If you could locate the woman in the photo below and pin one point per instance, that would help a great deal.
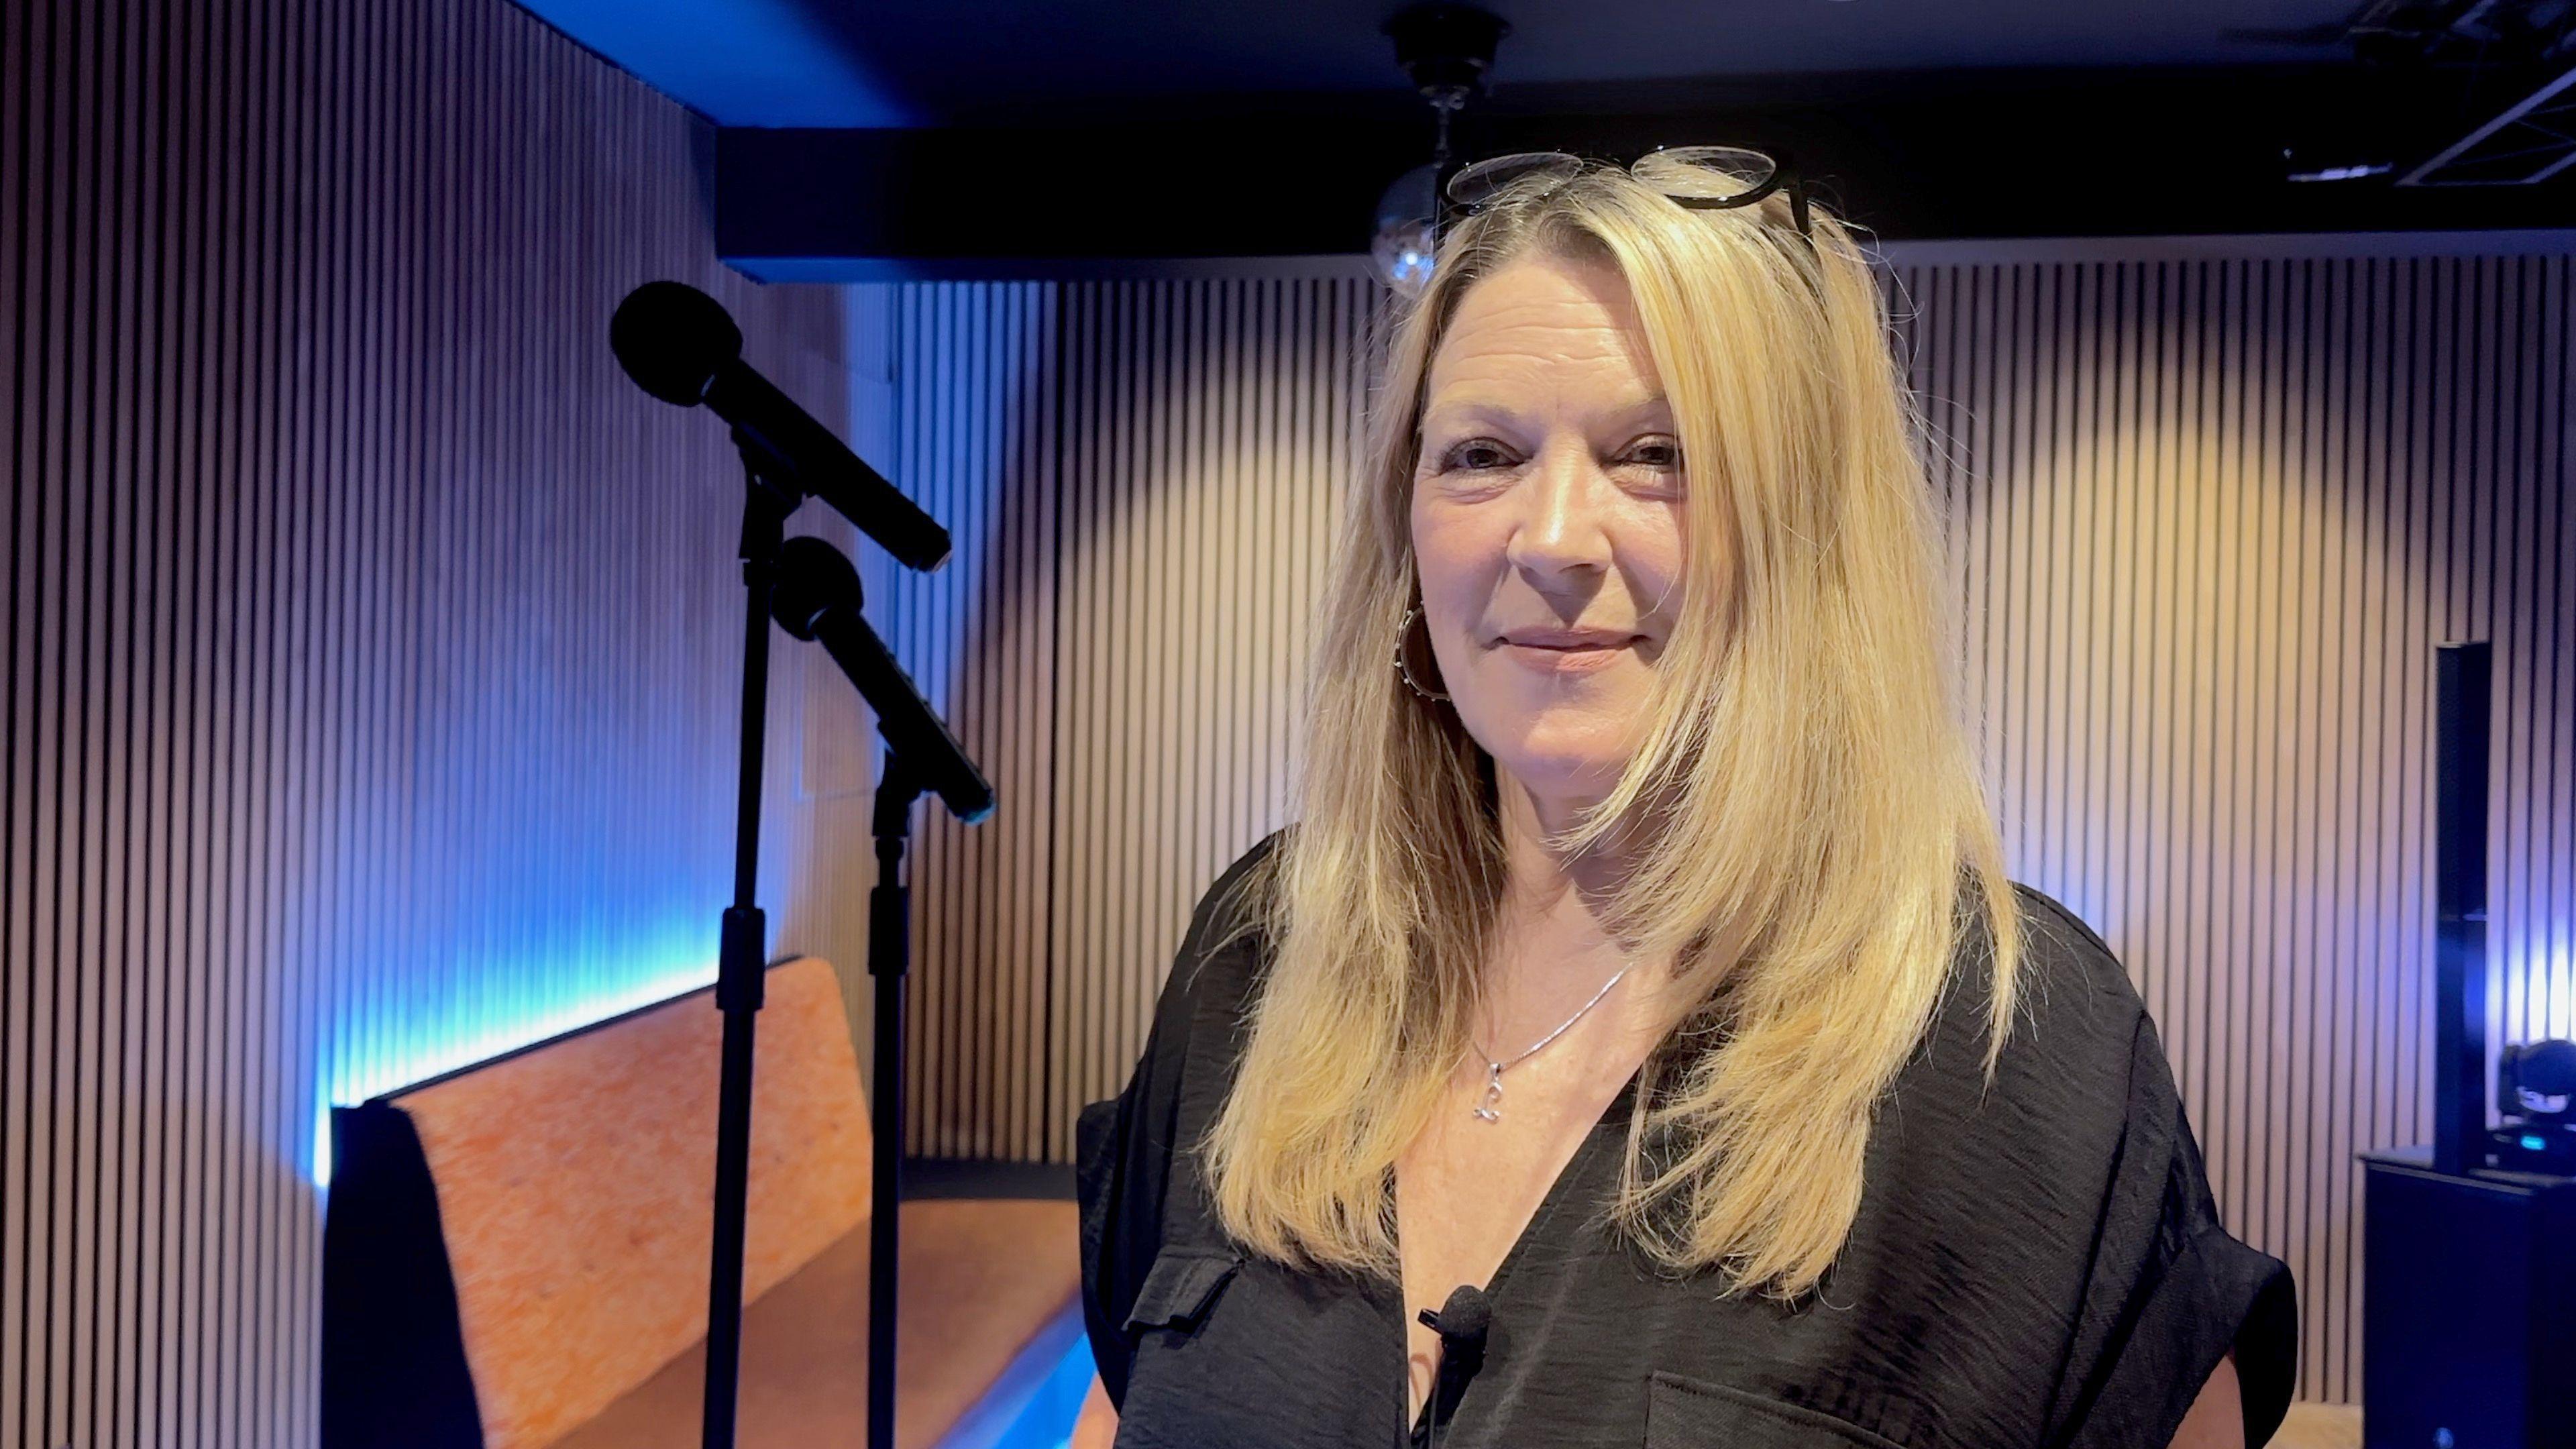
(1642, 959)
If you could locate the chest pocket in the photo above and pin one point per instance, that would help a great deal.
(1685, 1413)
(1182, 1385)
(1179, 1289)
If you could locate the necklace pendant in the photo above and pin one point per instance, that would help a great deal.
(1490, 1110)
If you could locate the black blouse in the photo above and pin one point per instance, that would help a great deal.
(2040, 1264)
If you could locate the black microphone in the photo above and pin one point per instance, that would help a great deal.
(817, 597)
(680, 345)
(1462, 1323)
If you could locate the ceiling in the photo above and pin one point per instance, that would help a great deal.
(917, 63)
(916, 138)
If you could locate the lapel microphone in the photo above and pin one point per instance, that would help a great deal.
(1461, 1323)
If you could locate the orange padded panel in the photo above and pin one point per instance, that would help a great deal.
(575, 1181)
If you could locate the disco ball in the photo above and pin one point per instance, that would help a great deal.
(1406, 243)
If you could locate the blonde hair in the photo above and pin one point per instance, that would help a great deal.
(1812, 844)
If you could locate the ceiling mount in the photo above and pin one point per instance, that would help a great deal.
(1448, 50)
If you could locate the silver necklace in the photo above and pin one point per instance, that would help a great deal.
(1491, 1110)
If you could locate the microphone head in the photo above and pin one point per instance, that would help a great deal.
(1467, 1314)
(813, 579)
(673, 339)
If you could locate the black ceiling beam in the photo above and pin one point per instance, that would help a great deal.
(2017, 154)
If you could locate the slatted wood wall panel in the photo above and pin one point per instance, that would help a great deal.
(2208, 517)
(368, 642)
(1141, 478)
(976, 434)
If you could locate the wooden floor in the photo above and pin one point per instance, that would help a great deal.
(2320, 1426)
(970, 1268)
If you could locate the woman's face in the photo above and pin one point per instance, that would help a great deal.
(1547, 521)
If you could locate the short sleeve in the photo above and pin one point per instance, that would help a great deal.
(1125, 1147)
(2171, 1291)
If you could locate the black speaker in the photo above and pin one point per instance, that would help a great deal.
(2460, 673)
(2469, 1318)
(2469, 1321)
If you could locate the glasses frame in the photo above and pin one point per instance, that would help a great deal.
(1784, 175)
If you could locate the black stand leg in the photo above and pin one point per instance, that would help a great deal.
(889, 960)
(739, 969)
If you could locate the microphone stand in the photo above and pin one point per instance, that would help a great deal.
(807, 587)
(678, 345)
(889, 964)
(741, 976)
(818, 598)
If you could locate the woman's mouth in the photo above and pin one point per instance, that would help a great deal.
(1567, 651)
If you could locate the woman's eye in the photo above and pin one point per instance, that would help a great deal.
(1473, 454)
(1479, 454)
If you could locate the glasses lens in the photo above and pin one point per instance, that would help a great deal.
(1482, 181)
(1713, 172)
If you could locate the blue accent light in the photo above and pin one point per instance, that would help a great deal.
(2534, 1142)
(1047, 1422)
(496, 1010)
(743, 63)
(1034, 1404)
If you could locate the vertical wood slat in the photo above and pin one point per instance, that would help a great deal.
(368, 643)
(2206, 516)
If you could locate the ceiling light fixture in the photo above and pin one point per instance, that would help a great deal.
(1448, 50)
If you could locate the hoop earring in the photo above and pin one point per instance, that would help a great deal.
(1403, 633)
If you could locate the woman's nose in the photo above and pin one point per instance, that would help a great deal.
(1561, 529)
